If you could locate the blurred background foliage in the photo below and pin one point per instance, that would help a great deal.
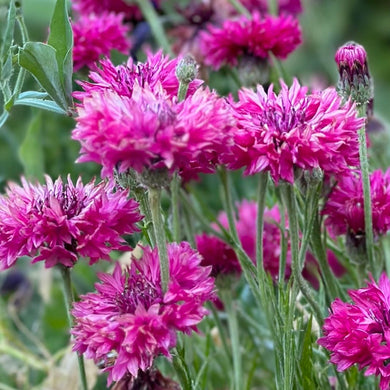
(326, 25)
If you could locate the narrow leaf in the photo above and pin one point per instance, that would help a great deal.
(48, 105)
(40, 60)
(61, 39)
(31, 150)
(9, 30)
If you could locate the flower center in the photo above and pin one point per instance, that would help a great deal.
(138, 291)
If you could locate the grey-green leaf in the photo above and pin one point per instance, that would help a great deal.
(31, 150)
(61, 39)
(40, 60)
(9, 31)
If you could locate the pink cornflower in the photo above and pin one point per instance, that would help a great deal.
(96, 35)
(359, 332)
(254, 37)
(157, 72)
(293, 130)
(344, 208)
(222, 257)
(292, 7)
(58, 222)
(86, 7)
(129, 320)
(140, 124)
(224, 260)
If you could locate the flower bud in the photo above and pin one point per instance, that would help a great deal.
(187, 69)
(355, 80)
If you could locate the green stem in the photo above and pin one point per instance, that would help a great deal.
(261, 194)
(273, 8)
(240, 8)
(69, 299)
(142, 199)
(153, 19)
(175, 188)
(332, 289)
(24, 356)
(366, 194)
(182, 91)
(231, 311)
(159, 232)
(295, 252)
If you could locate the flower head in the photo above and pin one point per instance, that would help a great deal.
(157, 72)
(359, 332)
(96, 35)
(355, 80)
(292, 130)
(129, 317)
(58, 222)
(344, 209)
(255, 37)
(86, 7)
(139, 124)
(292, 7)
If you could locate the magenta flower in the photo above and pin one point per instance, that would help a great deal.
(140, 125)
(87, 7)
(222, 257)
(359, 332)
(96, 35)
(255, 37)
(56, 223)
(350, 57)
(291, 130)
(344, 209)
(130, 318)
(157, 72)
(224, 260)
(292, 7)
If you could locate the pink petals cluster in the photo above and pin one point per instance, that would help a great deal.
(283, 132)
(359, 332)
(96, 35)
(344, 208)
(255, 36)
(131, 318)
(130, 118)
(58, 222)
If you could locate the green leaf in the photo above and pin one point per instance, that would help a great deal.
(40, 60)
(48, 105)
(306, 362)
(31, 150)
(9, 31)
(61, 39)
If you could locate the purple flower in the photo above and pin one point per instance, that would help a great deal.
(359, 332)
(344, 209)
(130, 118)
(130, 318)
(282, 132)
(96, 35)
(255, 36)
(58, 222)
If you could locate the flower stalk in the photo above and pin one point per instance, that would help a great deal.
(69, 299)
(159, 232)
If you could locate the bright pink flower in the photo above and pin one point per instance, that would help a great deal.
(359, 332)
(87, 7)
(255, 37)
(147, 128)
(156, 72)
(96, 35)
(57, 222)
(130, 318)
(344, 209)
(280, 133)
(224, 260)
(292, 7)
(351, 56)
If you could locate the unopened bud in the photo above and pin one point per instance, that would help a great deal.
(355, 80)
(187, 69)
